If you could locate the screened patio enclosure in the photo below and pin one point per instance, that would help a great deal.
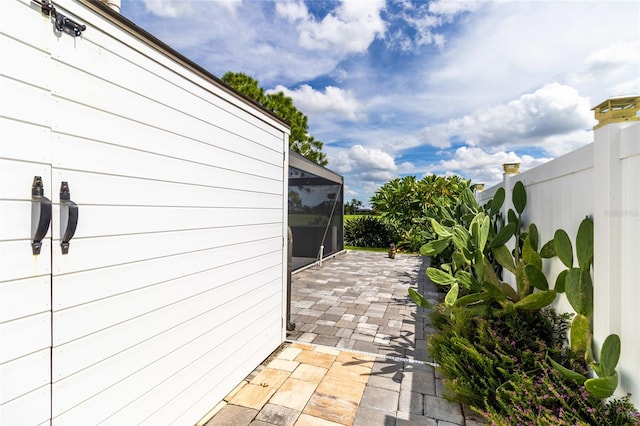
(315, 211)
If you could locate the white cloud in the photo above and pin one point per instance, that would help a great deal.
(182, 8)
(365, 169)
(406, 167)
(423, 27)
(362, 159)
(614, 56)
(508, 48)
(418, 23)
(556, 145)
(450, 8)
(542, 118)
(293, 11)
(333, 102)
(480, 166)
(610, 71)
(350, 28)
(168, 8)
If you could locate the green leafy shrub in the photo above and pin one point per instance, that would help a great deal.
(546, 398)
(409, 204)
(477, 354)
(368, 231)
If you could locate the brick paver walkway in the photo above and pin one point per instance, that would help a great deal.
(359, 301)
(357, 356)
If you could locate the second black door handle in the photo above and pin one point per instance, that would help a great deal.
(71, 216)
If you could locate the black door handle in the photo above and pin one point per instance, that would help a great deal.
(72, 217)
(44, 216)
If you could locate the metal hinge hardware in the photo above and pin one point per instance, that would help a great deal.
(61, 22)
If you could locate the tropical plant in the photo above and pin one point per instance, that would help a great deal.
(409, 204)
(476, 249)
(300, 141)
(368, 231)
(351, 207)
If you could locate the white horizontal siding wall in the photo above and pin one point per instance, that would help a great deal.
(25, 280)
(173, 288)
(187, 277)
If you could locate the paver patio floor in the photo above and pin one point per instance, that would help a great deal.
(357, 355)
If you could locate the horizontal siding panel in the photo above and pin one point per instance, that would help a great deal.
(161, 89)
(118, 127)
(126, 191)
(18, 262)
(27, 64)
(139, 51)
(91, 253)
(121, 64)
(79, 154)
(21, 298)
(16, 134)
(25, 151)
(26, 14)
(31, 409)
(27, 103)
(202, 310)
(24, 375)
(220, 379)
(73, 289)
(157, 377)
(187, 180)
(78, 321)
(133, 375)
(18, 178)
(18, 218)
(24, 336)
(110, 369)
(184, 390)
(15, 220)
(85, 89)
(99, 221)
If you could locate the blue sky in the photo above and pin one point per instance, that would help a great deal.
(400, 87)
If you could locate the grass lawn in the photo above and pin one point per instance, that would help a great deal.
(356, 216)
(382, 250)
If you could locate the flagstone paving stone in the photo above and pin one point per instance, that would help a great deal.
(294, 393)
(330, 408)
(233, 415)
(339, 387)
(316, 358)
(307, 420)
(252, 396)
(309, 373)
(270, 377)
(273, 414)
